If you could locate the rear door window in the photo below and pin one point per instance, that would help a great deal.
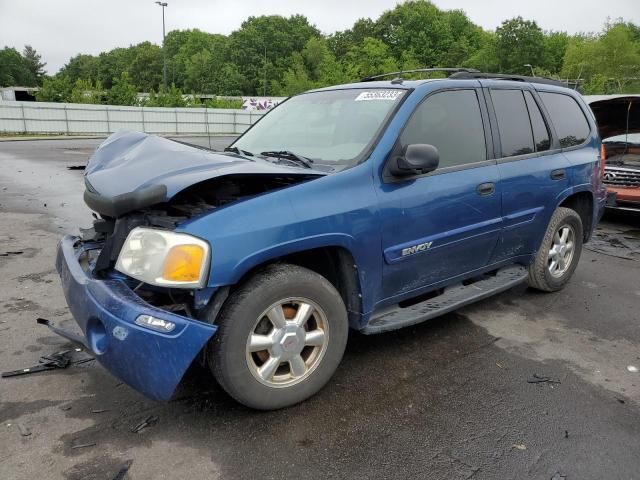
(451, 121)
(568, 119)
(514, 126)
(540, 130)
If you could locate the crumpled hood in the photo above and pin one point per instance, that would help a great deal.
(130, 170)
(129, 161)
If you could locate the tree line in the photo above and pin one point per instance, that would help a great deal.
(274, 55)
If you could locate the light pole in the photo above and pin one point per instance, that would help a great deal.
(164, 54)
(531, 67)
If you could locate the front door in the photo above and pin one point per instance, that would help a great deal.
(446, 223)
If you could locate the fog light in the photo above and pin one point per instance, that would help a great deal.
(154, 323)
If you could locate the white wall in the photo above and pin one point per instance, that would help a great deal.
(73, 119)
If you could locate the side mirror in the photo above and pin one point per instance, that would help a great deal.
(416, 159)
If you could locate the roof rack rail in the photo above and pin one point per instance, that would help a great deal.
(435, 69)
(505, 76)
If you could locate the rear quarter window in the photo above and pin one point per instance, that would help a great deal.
(567, 117)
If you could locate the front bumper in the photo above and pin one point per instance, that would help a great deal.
(623, 198)
(149, 361)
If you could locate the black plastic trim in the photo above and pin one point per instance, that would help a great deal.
(126, 202)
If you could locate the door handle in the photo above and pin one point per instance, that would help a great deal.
(486, 188)
(559, 174)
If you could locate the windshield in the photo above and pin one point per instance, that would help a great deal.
(329, 127)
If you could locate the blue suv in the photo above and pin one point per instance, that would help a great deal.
(369, 206)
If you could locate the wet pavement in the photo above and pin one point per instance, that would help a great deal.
(522, 385)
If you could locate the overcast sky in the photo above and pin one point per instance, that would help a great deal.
(59, 29)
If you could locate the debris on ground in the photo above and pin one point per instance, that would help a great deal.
(536, 378)
(99, 410)
(614, 243)
(632, 368)
(76, 167)
(66, 407)
(566, 434)
(83, 445)
(24, 430)
(123, 471)
(10, 254)
(84, 360)
(558, 476)
(47, 362)
(519, 446)
(150, 420)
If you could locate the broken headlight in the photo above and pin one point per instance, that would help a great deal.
(165, 258)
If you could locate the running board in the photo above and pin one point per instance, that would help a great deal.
(452, 298)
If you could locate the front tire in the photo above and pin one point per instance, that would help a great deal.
(280, 337)
(559, 253)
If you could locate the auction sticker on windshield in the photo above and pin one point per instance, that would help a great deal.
(378, 95)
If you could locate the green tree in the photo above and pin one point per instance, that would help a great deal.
(187, 60)
(605, 63)
(55, 89)
(295, 79)
(122, 91)
(617, 56)
(370, 58)
(341, 42)
(81, 67)
(145, 71)
(262, 47)
(34, 63)
(171, 98)
(435, 37)
(555, 47)
(519, 42)
(230, 81)
(486, 58)
(315, 66)
(14, 70)
(84, 91)
(113, 63)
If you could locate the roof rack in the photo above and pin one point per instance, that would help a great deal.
(505, 76)
(435, 69)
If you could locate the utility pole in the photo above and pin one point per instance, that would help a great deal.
(264, 86)
(164, 53)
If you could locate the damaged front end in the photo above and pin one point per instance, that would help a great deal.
(149, 332)
(618, 118)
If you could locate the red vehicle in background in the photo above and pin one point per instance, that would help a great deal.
(618, 119)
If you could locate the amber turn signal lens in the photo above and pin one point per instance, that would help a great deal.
(183, 263)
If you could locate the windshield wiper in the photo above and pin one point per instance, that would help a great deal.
(244, 153)
(289, 155)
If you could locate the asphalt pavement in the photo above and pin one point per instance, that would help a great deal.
(522, 385)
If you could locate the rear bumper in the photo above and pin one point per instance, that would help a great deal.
(149, 361)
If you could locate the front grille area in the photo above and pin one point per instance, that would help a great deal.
(621, 177)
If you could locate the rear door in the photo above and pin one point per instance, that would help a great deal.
(532, 168)
(445, 223)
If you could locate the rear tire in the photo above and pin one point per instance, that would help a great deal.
(280, 337)
(559, 253)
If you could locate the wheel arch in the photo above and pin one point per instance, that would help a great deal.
(582, 202)
(335, 262)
